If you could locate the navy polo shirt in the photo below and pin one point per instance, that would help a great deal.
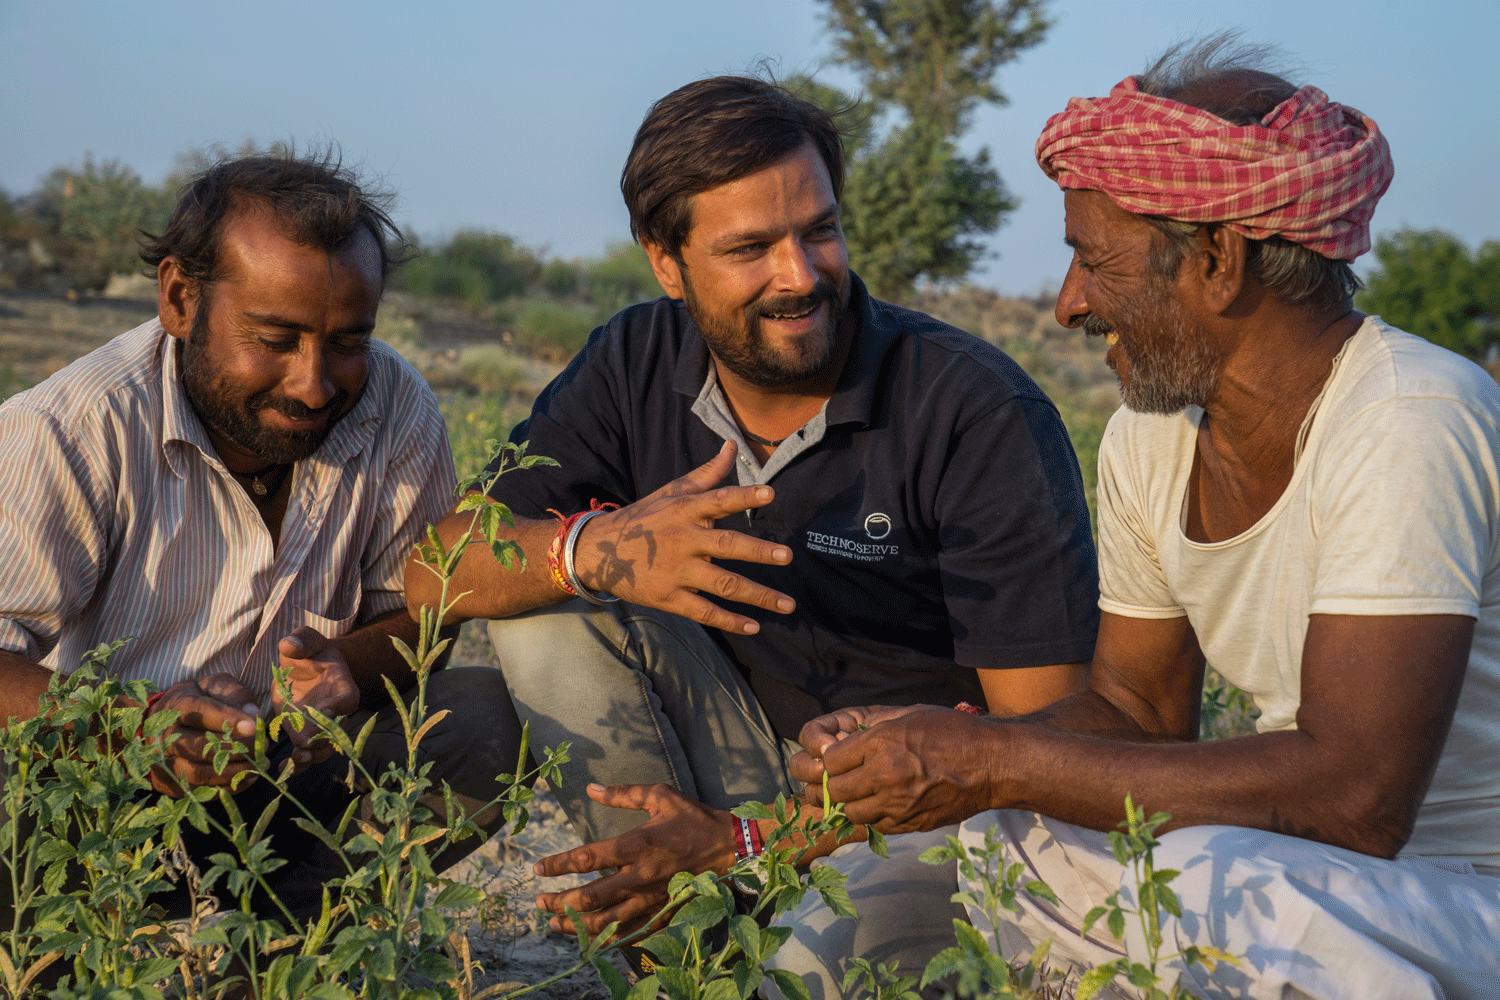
(939, 526)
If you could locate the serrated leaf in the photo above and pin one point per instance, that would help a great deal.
(970, 938)
(877, 842)
(1116, 924)
(942, 965)
(837, 899)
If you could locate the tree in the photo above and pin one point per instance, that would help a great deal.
(1428, 283)
(914, 205)
(93, 215)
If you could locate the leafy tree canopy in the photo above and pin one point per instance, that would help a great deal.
(1429, 283)
(915, 207)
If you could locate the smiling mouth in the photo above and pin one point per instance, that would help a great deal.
(792, 317)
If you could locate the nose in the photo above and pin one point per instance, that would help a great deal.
(796, 270)
(307, 379)
(1072, 306)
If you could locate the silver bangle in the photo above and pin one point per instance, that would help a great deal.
(569, 544)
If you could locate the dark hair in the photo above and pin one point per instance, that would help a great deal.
(1229, 78)
(712, 132)
(316, 197)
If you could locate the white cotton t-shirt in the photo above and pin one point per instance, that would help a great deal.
(1393, 509)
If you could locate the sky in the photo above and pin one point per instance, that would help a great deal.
(516, 115)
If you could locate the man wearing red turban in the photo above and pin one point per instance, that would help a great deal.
(1294, 492)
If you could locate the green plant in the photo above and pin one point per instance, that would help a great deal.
(1133, 847)
(475, 423)
(690, 963)
(86, 844)
(978, 971)
(83, 842)
(1224, 710)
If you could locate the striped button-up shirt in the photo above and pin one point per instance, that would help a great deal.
(117, 519)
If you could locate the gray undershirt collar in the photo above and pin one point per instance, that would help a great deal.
(713, 409)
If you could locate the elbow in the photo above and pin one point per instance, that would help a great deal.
(1375, 819)
(1383, 832)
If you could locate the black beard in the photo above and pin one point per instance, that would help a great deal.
(751, 360)
(223, 411)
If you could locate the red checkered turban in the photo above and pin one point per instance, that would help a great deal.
(1310, 172)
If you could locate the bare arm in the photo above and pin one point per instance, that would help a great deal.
(657, 552)
(21, 684)
(1378, 695)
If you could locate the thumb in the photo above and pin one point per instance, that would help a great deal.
(706, 476)
(305, 641)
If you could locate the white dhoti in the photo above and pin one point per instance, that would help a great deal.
(1304, 919)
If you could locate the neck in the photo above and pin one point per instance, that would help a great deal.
(1269, 381)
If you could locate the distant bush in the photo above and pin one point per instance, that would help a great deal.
(475, 267)
(493, 370)
(620, 278)
(552, 329)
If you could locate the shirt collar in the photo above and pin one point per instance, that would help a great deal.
(181, 426)
(853, 399)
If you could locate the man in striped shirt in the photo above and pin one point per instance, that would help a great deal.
(236, 485)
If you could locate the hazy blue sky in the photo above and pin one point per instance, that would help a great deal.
(517, 116)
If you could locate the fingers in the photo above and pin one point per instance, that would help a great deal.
(304, 643)
(202, 710)
(826, 730)
(641, 797)
(631, 911)
(227, 689)
(582, 860)
(712, 505)
(806, 768)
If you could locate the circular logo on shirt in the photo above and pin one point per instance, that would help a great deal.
(877, 526)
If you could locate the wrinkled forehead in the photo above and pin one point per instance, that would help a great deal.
(1094, 224)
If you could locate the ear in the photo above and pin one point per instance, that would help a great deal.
(668, 272)
(177, 298)
(1219, 267)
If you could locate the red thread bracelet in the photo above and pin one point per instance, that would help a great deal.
(555, 552)
(964, 706)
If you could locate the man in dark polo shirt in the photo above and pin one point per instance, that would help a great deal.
(863, 504)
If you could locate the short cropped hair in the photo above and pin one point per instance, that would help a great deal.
(709, 133)
(317, 198)
(1197, 75)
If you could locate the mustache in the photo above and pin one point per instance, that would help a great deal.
(1094, 326)
(795, 305)
(297, 410)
